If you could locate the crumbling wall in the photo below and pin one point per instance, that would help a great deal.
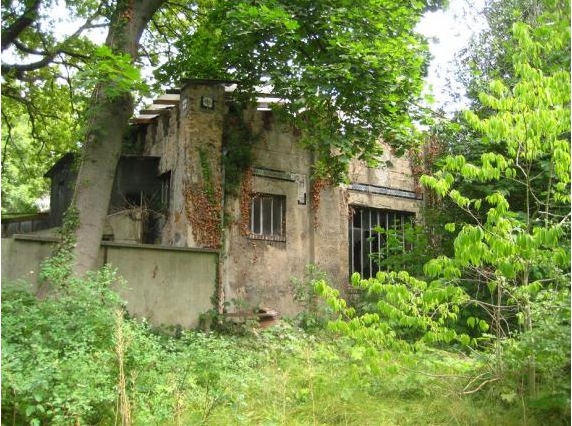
(189, 140)
(256, 270)
(259, 272)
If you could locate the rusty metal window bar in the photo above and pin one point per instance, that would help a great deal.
(368, 247)
(165, 180)
(268, 217)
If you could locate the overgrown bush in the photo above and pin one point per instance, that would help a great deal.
(57, 353)
(315, 312)
(74, 360)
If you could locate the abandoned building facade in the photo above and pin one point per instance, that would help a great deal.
(275, 221)
(199, 173)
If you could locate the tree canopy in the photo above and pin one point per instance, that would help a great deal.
(42, 101)
(350, 72)
(356, 68)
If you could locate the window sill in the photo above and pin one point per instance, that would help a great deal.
(274, 238)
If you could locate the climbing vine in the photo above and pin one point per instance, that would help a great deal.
(203, 212)
(58, 268)
(208, 185)
(422, 159)
(318, 185)
(238, 141)
(245, 202)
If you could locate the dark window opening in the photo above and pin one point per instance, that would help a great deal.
(268, 217)
(134, 199)
(367, 246)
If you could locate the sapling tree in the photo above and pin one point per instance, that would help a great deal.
(520, 253)
(523, 251)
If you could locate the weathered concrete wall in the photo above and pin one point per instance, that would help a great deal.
(331, 235)
(164, 284)
(258, 271)
(392, 172)
(189, 140)
(21, 259)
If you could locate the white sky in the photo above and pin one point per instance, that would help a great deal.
(448, 32)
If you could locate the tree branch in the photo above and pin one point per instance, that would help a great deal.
(10, 34)
(48, 58)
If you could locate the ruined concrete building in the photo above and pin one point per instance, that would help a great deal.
(198, 173)
(274, 224)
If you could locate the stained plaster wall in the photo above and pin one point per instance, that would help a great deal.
(255, 271)
(166, 285)
(259, 272)
(179, 136)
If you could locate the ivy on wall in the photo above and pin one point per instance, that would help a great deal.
(245, 202)
(318, 185)
(202, 208)
(238, 141)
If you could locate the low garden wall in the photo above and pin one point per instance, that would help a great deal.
(166, 285)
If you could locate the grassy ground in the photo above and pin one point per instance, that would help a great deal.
(284, 377)
(76, 360)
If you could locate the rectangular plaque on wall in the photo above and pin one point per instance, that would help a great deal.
(383, 190)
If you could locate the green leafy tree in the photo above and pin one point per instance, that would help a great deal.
(489, 54)
(349, 72)
(22, 169)
(520, 255)
(523, 252)
(38, 88)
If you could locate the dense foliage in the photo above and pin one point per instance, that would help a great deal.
(42, 102)
(511, 246)
(76, 359)
(347, 71)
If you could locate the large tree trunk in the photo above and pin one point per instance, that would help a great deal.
(108, 121)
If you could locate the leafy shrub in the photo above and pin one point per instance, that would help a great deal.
(57, 353)
(315, 313)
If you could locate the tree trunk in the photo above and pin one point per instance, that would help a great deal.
(108, 122)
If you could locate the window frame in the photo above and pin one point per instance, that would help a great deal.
(272, 207)
(365, 232)
(166, 190)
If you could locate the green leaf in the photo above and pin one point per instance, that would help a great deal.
(471, 322)
(483, 325)
(507, 269)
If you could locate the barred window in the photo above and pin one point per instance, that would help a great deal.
(165, 180)
(268, 217)
(367, 247)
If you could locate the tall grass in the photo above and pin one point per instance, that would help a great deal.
(72, 359)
